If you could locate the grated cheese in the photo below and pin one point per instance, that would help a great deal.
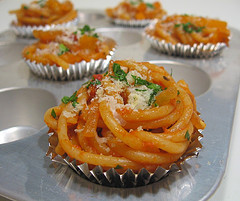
(68, 114)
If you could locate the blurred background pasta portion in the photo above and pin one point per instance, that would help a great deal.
(207, 8)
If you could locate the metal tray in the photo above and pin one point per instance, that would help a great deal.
(25, 172)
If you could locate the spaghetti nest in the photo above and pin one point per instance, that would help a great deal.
(44, 12)
(62, 47)
(134, 116)
(187, 29)
(136, 10)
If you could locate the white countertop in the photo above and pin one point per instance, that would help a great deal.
(227, 10)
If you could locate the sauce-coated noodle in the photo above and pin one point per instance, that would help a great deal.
(134, 116)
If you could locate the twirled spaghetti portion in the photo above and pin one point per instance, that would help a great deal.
(136, 10)
(44, 12)
(134, 116)
(188, 29)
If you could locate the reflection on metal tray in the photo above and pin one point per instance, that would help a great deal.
(19, 109)
(26, 174)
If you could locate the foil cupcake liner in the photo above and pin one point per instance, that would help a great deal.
(27, 31)
(131, 23)
(195, 51)
(74, 72)
(128, 179)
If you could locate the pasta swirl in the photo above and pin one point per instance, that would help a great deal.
(135, 116)
(190, 30)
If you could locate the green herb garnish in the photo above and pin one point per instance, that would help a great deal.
(189, 27)
(149, 5)
(136, 2)
(118, 167)
(93, 82)
(95, 35)
(119, 74)
(41, 3)
(155, 87)
(63, 49)
(177, 25)
(178, 92)
(88, 30)
(73, 99)
(25, 7)
(105, 73)
(187, 135)
(53, 113)
(85, 29)
(140, 89)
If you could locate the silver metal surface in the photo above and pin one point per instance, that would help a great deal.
(22, 111)
(123, 37)
(130, 23)
(74, 72)
(27, 31)
(128, 178)
(26, 174)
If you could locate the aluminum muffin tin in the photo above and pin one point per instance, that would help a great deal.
(27, 174)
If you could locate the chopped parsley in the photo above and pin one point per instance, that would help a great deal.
(25, 7)
(95, 35)
(187, 135)
(88, 30)
(155, 87)
(118, 167)
(63, 49)
(41, 3)
(73, 99)
(140, 89)
(105, 73)
(136, 2)
(189, 27)
(93, 82)
(149, 5)
(27, 53)
(53, 113)
(178, 92)
(119, 74)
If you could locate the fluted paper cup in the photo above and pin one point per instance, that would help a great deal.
(195, 51)
(27, 31)
(131, 23)
(74, 72)
(129, 178)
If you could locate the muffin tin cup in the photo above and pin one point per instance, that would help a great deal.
(27, 31)
(74, 72)
(131, 23)
(129, 178)
(195, 51)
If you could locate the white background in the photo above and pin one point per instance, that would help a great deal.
(227, 10)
